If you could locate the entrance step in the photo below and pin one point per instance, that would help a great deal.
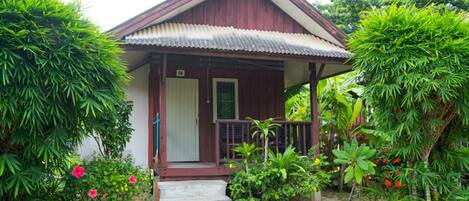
(193, 190)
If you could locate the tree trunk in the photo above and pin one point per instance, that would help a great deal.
(341, 178)
(350, 197)
(428, 195)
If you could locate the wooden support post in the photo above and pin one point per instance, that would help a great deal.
(314, 78)
(162, 110)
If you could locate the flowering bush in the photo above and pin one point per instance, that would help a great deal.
(107, 179)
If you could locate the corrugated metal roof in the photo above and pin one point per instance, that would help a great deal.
(181, 35)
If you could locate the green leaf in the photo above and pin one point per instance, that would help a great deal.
(358, 175)
(362, 164)
(349, 175)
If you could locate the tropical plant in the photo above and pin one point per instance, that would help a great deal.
(107, 179)
(57, 71)
(285, 176)
(415, 64)
(357, 159)
(248, 152)
(265, 130)
(112, 132)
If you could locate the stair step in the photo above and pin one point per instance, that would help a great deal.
(217, 198)
(208, 190)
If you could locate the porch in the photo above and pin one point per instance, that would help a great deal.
(191, 139)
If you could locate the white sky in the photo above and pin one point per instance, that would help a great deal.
(109, 13)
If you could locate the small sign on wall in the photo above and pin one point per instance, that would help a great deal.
(180, 73)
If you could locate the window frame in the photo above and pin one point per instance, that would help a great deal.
(215, 94)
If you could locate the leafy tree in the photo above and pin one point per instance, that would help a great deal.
(57, 71)
(112, 132)
(346, 13)
(265, 130)
(415, 64)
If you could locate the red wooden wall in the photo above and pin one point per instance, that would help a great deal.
(260, 94)
(245, 14)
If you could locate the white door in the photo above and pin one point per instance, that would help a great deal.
(182, 111)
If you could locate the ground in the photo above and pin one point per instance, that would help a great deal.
(339, 196)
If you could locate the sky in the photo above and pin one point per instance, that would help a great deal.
(109, 13)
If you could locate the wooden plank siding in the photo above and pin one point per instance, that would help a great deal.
(260, 88)
(244, 14)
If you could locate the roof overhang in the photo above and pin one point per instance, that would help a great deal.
(300, 10)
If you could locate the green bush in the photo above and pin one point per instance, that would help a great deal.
(415, 66)
(285, 176)
(111, 178)
(57, 71)
(112, 132)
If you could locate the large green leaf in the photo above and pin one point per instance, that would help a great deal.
(358, 175)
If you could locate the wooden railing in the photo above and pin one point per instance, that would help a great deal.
(230, 133)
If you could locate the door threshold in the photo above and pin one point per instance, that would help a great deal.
(191, 165)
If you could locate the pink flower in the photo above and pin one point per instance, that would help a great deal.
(132, 179)
(92, 193)
(78, 171)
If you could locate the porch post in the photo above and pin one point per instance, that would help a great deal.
(314, 78)
(162, 109)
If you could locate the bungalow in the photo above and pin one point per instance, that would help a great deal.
(200, 67)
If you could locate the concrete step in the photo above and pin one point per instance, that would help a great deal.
(218, 198)
(193, 190)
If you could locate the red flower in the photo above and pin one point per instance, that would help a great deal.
(377, 161)
(387, 183)
(78, 171)
(398, 184)
(385, 161)
(397, 160)
(92, 193)
(132, 179)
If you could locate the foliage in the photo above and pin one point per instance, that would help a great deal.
(265, 129)
(346, 13)
(415, 64)
(111, 178)
(357, 159)
(285, 176)
(112, 132)
(57, 71)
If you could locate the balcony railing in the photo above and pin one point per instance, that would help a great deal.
(230, 133)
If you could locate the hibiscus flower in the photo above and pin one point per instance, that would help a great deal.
(92, 193)
(78, 171)
(132, 179)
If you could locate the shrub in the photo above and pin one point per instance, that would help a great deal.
(415, 64)
(285, 176)
(112, 132)
(107, 179)
(57, 71)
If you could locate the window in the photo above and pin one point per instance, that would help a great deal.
(225, 98)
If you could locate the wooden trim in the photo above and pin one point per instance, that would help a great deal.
(217, 144)
(146, 18)
(314, 14)
(195, 172)
(214, 96)
(235, 54)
